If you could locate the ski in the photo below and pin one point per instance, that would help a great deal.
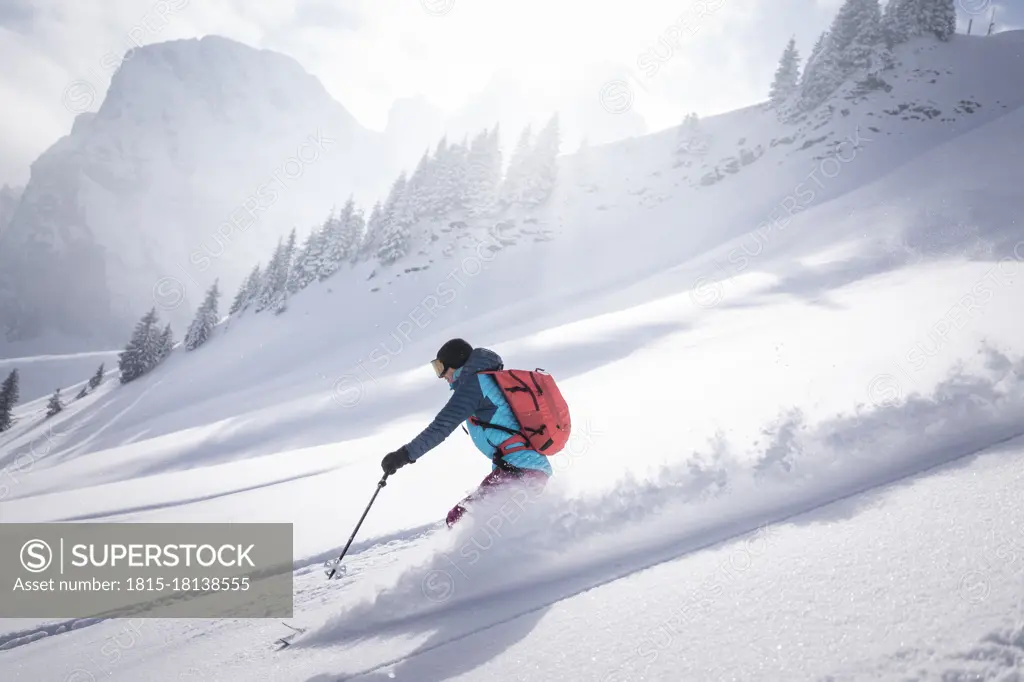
(286, 641)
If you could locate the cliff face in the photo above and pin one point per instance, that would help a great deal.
(203, 153)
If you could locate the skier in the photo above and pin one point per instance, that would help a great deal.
(512, 417)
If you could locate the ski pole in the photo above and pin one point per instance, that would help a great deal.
(334, 569)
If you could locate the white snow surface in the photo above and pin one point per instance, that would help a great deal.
(798, 452)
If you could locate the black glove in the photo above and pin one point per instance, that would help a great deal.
(393, 461)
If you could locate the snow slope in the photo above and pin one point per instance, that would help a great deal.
(675, 497)
(829, 490)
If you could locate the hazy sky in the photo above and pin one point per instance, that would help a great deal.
(59, 54)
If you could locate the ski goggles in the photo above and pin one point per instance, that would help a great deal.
(439, 368)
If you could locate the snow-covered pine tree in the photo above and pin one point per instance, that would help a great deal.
(355, 230)
(153, 350)
(269, 279)
(247, 291)
(275, 277)
(9, 395)
(902, 21)
(348, 223)
(280, 290)
(787, 75)
(937, 18)
(205, 320)
(55, 406)
(84, 392)
(452, 191)
(916, 13)
(822, 75)
(495, 165)
(288, 261)
(330, 236)
(395, 223)
(852, 38)
(164, 344)
(845, 25)
(474, 173)
(240, 298)
(343, 233)
(861, 30)
(307, 267)
(139, 355)
(281, 304)
(819, 46)
(293, 285)
(255, 285)
(893, 29)
(401, 211)
(420, 184)
(482, 180)
(10, 390)
(97, 378)
(373, 235)
(544, 163)
(514, 186)
(436, 181)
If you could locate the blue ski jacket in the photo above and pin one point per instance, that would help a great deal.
(477, 395)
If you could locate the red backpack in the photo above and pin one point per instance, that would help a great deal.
(538, 406)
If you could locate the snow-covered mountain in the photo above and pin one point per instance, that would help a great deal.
(203, 153)
(791, 342)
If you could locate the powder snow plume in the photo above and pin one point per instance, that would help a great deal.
(520, 551)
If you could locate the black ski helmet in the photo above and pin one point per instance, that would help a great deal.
(453, 354)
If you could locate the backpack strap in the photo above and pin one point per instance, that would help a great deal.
(503, 448)
(501, 463)
(515, 438)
